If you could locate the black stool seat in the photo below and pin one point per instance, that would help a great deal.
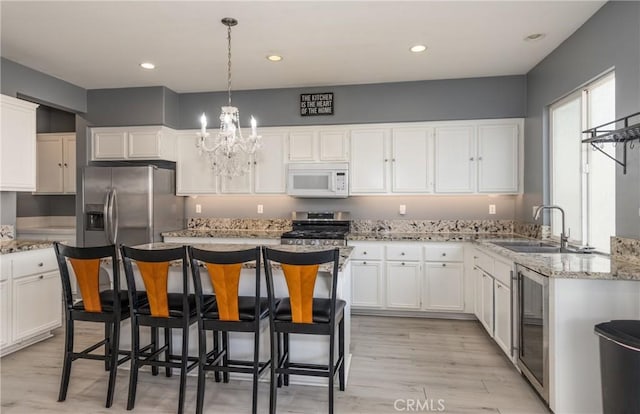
(321, 310)
(246, 309)
(174, 301)
(106, 299)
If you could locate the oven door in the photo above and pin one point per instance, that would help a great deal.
(533, 329)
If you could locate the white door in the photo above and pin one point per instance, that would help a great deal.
(144, 144)
(193, 171)
(366, 284)
(403, 285)
(369, 161)
(5, 313)
(28, 318)
(502, 307)
(240, 184)
(487, 303)
(301, 146)
(477, 284)
(69, 163)
(498, 158)
(455, 160)
(18, 145)
(443, 289)
(269, 165)
(410, 160)
(109, 145)
(50, 165)
(333, 145)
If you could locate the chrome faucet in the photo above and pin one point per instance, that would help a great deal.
(564, 237)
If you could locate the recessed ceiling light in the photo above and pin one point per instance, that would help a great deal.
(418, 48)
(274, 58)
(147, 65)
(533, 37)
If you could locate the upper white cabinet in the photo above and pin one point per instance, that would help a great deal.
(56, 167)
(369, 161)
(269, 163)
(318, 144)
(193, 171)
(482, 157)
(17, 145)
(133, 143)
(411, 160)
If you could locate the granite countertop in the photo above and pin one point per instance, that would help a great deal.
(345, 251)
(437, 237)
(569, 265)
(14, 246)
(258, 234)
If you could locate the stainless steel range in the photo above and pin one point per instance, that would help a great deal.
(318, 229)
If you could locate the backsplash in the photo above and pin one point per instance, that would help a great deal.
(532, 230)
(432, 226)
(212, 223)
(7, 232)
(625, 249)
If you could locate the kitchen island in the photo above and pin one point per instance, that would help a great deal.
(307, 348)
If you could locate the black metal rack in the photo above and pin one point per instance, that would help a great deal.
(610, 133)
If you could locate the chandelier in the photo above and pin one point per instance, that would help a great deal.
(229, 152)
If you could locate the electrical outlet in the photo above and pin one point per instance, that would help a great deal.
(403, 209)
(260, 209)
(198, 208)
(492, 209)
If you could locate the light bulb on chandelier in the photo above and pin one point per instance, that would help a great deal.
(229, 152)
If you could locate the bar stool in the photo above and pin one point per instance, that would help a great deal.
(302, 313)
(229, 313)
(162, 309)
(108, 307)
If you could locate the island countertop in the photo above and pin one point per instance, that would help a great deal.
(22, 245)
(230, 234)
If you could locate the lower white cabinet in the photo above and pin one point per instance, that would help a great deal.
(403, 285)
(444, 287)
(367, 284)
(486, 315)
(30, 298)
(502, 315)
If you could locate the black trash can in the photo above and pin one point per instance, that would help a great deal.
(620, 365)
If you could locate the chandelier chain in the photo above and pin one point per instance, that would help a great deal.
(229, 63)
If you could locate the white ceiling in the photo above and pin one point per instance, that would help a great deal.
(100, 44)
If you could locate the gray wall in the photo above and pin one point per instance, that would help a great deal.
(610, 39)
(477, 98)
(126, 106)
(54, 120)
(16, 79)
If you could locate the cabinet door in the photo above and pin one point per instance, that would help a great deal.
(37, 304)
(410, 161)
(144, 144)
(193, 171)
(369, 161)
(5, 313)
(455, 162)
(333, 146)
(301, 146)
(403, 285)
(17, 145)
(69, 164)
(366, 284)
(444, 287)
(269, 164)
(109, 145)
(50, 165)
(240, 184)
(487, 303)
(502, 308)
(477, 295)
(498, 158)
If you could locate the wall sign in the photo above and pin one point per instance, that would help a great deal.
(312, 104)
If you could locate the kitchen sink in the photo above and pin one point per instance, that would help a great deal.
(526, 246)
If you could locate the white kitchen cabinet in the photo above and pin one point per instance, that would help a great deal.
(455, 165)
(56, 167)
(318, 144)
(444, 287)
(477, 294)
(193, 171)
(31, 295)
(369, 161)
(502, 316)
(367, 284)
(404, 282)
(133, 143)
(241, 184)
(269, 167)
(478, 158)
(486, 287)
(411, 160)
(17, 144)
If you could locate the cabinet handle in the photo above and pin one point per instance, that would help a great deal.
(444, 254)
(59, 165)
(364, 263)
(402, 254)
(41, 277)
(444, 265)
(364, 252)
(471, 159)
(65, 164)
(386, 160)
(393, 160)
(40, 264)
(479, 158)
(255, 163)
(402, 263)
(475, 257)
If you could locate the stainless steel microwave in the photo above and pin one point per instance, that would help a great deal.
(318, 180)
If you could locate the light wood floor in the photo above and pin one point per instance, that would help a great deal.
(447, 364)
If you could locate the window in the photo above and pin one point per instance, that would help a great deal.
(582, 179)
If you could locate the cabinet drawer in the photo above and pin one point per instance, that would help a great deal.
(34, 261)
(483, 261)
(368, 252)
(403, 252)
(444, 253)
(502, 272)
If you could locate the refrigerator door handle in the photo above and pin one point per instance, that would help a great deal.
(107, 221)
(114, 215)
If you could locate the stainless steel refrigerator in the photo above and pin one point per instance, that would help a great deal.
(129, 204)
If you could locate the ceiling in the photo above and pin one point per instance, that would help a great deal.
(100, 44)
